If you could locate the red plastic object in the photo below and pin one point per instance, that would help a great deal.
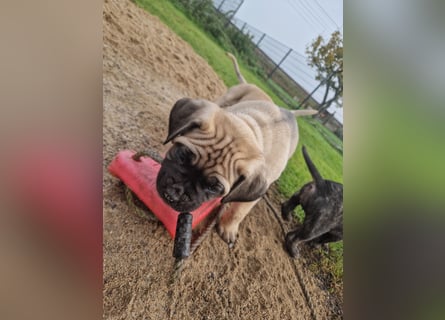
(140, 177)
(56, 186)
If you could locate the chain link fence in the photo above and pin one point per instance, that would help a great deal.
(284, 66)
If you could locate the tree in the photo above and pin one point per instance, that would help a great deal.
(328, 60)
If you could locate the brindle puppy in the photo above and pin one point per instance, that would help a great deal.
(322, 202)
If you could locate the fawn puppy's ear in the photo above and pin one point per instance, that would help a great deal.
(188, 114)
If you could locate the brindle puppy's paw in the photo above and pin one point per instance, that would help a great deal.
(312, 244)
(286, 211)
(228, 232)
(290, 244)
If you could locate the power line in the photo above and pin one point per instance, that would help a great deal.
(314, 15)
(322, 15)
(316, 2)
(306, 11)
(300, 14)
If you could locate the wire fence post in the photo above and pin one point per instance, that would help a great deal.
(237, 8)
(233, 14)
(242, 28)
(316, 88)
(220, 5)
(279, 63)
(261, 39)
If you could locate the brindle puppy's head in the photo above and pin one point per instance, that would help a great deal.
(210, 157)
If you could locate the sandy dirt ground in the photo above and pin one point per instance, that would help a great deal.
(146, 68)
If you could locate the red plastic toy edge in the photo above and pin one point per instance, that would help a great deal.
(140, 177)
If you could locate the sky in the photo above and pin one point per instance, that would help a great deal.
(295, 23)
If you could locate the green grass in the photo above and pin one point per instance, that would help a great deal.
(328, 134)
(281, 91)
(203, 44)
(327, 159)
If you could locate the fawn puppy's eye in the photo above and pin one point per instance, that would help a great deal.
(214, 186)
(182, 154)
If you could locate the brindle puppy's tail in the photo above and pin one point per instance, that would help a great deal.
(235, 64)
(318, 179)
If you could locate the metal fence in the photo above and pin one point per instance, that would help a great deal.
(292, 62)
(286, 62)
(227, 6)
(286, 67)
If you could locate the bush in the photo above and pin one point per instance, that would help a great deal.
(217, 25)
